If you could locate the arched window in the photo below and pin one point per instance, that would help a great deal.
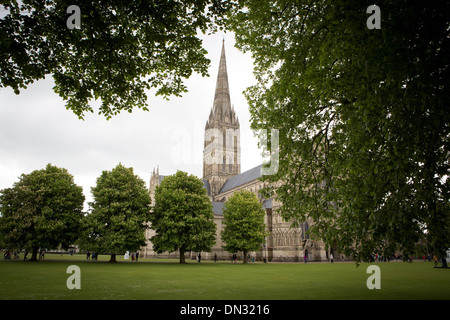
(305, 234)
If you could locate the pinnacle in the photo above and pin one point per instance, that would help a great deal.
(222, 102)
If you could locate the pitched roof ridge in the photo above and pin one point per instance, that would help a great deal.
(241, 178)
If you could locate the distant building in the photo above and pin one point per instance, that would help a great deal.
(222, 177)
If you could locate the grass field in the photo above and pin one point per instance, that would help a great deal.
(168, 280)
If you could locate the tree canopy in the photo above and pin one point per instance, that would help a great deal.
(362, 113)
(121, 49)
(182, 216)
(244, 227)
(42, 210)
(120, 212)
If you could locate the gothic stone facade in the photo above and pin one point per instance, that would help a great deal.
(222, 177)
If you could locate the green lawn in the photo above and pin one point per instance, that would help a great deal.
(218, 281)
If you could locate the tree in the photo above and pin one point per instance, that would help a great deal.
(120, 212)
(182, 216)
(362, 115)
(42, 210)
(244, 227)
(119, 50)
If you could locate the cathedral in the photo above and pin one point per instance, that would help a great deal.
(222, 177)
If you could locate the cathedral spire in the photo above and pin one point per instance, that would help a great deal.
(222, 150)
(222, 103)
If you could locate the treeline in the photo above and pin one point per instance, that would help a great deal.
(44, 209)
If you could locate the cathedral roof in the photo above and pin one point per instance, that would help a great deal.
(218, 207)
(242, 178)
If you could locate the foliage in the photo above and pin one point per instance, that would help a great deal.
(182, 216)
(120, 213)
(362, 113)
(243, 219)
(42, 210)
(121, 50)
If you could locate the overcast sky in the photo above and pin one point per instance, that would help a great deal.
(36, 129)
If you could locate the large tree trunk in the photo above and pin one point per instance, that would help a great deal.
(34, 254)
(182, 258)
(113, 258)
(245, 256)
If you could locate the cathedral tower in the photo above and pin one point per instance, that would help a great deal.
(222, 149)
